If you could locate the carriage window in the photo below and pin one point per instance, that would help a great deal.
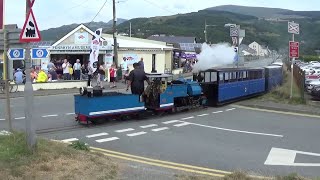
(240, 75)
(207, 77)
(221, 78)
(245, 74)
(213, 76)
(226, 77)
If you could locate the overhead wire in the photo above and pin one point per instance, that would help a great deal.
(98, 12)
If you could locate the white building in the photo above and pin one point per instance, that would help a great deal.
(260, 50)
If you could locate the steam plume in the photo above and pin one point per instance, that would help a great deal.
(218, 55)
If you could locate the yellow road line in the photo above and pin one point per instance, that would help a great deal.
(163, 165)
(275, 111)
(160, 161)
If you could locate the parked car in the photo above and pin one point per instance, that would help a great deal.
(315, 91)
(312, 84)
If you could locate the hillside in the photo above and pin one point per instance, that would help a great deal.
(54, 34)
(268, 33)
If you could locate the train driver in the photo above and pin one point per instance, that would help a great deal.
(136, 80)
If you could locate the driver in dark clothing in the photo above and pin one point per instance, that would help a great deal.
(136, 80)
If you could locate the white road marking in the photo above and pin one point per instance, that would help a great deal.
(170, 122)
(50, 115)
(234, 130)
(286, 157)
(2, 119)
(136, 134)
(124, 130)
(188, 118)
(159, 129)
(216, 112)
(182, 124)
(70, 113)
(149, 126)
(97, 135)
(230, 109)
(20, 118)
(107, 139)
(203, 115)
(70, 140)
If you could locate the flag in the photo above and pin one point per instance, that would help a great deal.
(94, 50)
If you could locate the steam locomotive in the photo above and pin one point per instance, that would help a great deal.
(212, 87)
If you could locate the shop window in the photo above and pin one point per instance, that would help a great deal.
(154, 63)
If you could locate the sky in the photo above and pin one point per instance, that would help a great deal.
(55, 13)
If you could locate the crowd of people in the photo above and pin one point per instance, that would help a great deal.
(78, 71)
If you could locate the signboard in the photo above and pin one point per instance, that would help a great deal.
(16, 54)
(131, 58)
(293, 28)
(39, 53)
(234, 31)
(81, 38)
(293, 49)
(30, 31)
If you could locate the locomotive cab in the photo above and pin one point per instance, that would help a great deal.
(158, 85)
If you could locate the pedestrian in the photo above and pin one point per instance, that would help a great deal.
(112, 73)
(77, 70)
(18, 76)
(136, 80)
(141, 64)
(65, 67)
(101, 74)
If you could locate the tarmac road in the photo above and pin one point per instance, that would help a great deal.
(226, 138)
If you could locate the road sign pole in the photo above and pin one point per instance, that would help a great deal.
(28, 95)
(291, 91)
(5, 67)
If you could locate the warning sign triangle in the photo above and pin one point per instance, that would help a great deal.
(30, 31)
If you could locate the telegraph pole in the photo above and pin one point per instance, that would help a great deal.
(28, 95)
(115, 44)
(6, 75)
(205, 31)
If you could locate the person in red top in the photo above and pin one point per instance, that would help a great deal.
(112, 72)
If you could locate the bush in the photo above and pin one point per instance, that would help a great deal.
(80, 146)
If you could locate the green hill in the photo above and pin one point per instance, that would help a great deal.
(269, 33)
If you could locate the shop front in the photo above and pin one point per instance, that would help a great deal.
(76, 45)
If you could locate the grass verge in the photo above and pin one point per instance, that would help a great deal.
(51, 160)
(281, 94)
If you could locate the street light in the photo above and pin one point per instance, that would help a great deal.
(205, 30)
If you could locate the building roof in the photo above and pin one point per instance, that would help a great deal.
(41, 44)
(125, 42)
(173, 39)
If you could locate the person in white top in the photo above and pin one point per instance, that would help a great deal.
(65, 67)
(124, 65)
(77, 70)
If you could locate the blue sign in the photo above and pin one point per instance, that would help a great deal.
(39, 53)
(16, 54)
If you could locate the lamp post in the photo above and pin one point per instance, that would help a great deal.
(205, 30)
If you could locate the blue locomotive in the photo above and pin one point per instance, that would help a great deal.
(212, 87)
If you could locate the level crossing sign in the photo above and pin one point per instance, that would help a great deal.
(293, 28)
(30, 31)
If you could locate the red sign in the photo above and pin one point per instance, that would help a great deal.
(30, 31)
(293, 49)
(1, 14)
(31, 2)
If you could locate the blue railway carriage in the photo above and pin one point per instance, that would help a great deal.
(273, 76)
(225, 85)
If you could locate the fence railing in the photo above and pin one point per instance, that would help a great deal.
(298, 76)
